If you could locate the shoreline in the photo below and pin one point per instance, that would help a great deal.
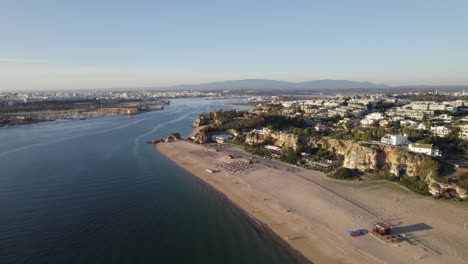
(260, 227)
(94, 116)
(308, 213)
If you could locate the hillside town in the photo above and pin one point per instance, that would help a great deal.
(15, 98)
(417, 140)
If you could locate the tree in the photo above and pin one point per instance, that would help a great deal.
(289, 155)
(342, 173)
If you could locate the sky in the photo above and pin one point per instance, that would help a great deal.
(71, 44)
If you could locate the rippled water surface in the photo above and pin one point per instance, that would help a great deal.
(92, 191)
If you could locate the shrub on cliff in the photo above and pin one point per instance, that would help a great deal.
(239, 140)
(428, 168)
(289, 155)
(415, 184)
(463, 182)
(342, 174)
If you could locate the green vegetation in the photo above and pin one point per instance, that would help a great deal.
(290, 156)
(301, 131)
(342, 174)
(258, 149)
(432, 97)
(239, 140)
(383, 106)
(463, 182)
(415, 184)
(425, 166)
(343, 135)
(429, 167)
(368, 133)
(242, 120)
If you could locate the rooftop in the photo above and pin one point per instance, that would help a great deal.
(420, 145)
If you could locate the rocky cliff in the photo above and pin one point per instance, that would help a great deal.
(356, 156)
(438, 189)
(362, 157)
(279, 139)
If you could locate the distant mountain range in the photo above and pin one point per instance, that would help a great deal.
(263, 84)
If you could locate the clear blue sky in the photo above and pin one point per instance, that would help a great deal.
(111, 43)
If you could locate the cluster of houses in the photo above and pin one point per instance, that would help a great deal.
(355, 110)
(418, 110)
(434, 117)
(402, 141)
(325, 107)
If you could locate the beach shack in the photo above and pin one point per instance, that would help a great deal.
(221, 139)
(382, 228)
(275, 151)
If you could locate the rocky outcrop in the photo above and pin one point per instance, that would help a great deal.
(287, 140)
(397, 161)
(255, 138)
(363, 157)
(355, 156)
(200, 121)
(172, 137)
(284, 140)
(411, 164)
(205, 118)
(451, 190)
(202, 137)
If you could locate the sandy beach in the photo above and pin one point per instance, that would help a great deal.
(313, 213)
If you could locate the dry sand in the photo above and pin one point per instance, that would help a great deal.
(313, 212)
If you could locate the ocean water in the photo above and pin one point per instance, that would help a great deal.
(92, 191)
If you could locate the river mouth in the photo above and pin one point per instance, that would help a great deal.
(93, 191)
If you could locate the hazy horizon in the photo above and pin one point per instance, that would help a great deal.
(117, 44)
(181, 86)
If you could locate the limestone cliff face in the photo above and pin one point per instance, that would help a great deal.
(356, 156)
(200, 121)
(172, 137)
(286, 140)
(402, 162)
(205, 119)
(279, 139)
(254, 138)
(438, 189)
(363, 157)
(202, 137)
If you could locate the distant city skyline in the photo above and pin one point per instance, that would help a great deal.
(133, 44)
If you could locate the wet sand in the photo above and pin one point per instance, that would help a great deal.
(313, 213)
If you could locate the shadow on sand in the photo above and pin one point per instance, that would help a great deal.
(410, 228)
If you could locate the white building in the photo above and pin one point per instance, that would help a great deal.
(223, 138)
(395, 140)
(375, 116)
(289, 104)
(464, 132)
(440, 131)
(367, 122)
(320, 127)
(371, 119)
(408, 123)
(272, 148)
(427, 149)
(263, 131)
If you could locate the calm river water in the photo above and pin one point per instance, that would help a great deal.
(92, 191)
